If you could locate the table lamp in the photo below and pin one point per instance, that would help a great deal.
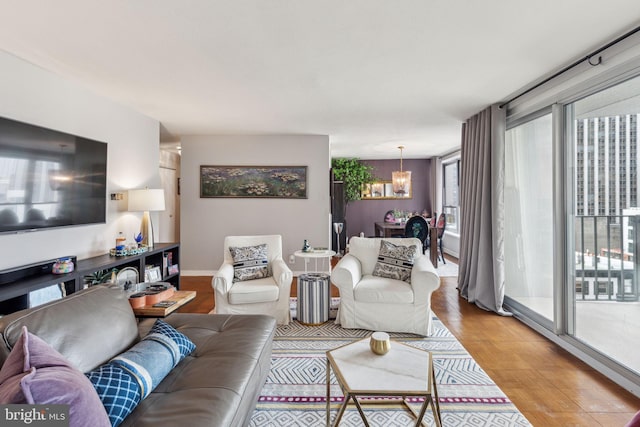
(145, 201)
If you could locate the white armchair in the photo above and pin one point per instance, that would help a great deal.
(268, 295)
(383, 304)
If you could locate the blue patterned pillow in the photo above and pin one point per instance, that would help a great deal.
(395, 261)
(118, 390)
(249, 262)
(128, 378)
(176, 342)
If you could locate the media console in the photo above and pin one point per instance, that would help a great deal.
(22, 280)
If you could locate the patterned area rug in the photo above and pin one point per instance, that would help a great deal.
(295, 390)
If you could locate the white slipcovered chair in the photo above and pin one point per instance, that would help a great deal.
(268, 295)
(376, 303)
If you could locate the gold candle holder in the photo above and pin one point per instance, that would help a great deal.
(380, 343)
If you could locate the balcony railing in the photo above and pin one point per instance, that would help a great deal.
(606, 266)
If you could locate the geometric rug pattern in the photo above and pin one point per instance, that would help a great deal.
(295, 389)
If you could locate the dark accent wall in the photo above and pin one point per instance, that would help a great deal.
(362, 214)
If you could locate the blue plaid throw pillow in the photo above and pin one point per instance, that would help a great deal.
(118, 390)
(130, 377)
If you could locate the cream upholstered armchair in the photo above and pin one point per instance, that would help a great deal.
(253, 278)
(385, 285)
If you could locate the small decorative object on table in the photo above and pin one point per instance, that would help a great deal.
(128, 251)
(62, 266)
(138, 238)
(306, 247)
(380, 343)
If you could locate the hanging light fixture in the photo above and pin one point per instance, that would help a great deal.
(401, 179)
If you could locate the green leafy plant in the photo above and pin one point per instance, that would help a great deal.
(354, 174)
(100, 276)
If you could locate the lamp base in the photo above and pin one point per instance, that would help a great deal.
(146, 228)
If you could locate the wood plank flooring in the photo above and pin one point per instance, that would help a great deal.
(547, 384)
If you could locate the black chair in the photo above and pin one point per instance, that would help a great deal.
(417, 227)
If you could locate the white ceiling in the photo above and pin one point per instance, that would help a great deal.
(371, 74)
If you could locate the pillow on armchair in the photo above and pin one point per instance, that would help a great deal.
(250, 262)
(395, 261)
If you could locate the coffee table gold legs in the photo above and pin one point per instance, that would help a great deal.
(431, 398)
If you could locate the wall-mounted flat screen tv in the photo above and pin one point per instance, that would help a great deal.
(49, 178)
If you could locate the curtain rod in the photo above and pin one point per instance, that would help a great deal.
(576, 63)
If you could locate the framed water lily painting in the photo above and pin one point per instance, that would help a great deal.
(282, 182)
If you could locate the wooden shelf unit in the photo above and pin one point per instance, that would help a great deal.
(14, 296)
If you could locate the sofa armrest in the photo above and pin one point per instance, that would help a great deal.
(282, 274)
(424, 278)
(347, 274)
(223, 279)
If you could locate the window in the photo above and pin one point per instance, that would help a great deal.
(450, 171)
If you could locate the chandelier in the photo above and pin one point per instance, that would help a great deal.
(401, 179)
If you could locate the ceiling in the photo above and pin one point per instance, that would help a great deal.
(371, 74)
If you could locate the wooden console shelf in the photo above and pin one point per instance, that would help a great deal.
(14, 296)
(180, 298)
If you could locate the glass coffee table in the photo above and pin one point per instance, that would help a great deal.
(403, 372)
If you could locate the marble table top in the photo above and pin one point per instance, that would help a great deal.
(403, 370)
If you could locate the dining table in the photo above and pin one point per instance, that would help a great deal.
(389, 229)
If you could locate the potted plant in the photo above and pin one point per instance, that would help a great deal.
(354, 174)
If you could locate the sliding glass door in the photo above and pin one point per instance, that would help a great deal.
(605, 222)
(528, 200)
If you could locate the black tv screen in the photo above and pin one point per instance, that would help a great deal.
(49, 178)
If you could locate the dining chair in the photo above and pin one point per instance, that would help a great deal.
(417, 227)
(439, 222)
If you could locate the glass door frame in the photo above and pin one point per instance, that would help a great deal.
(515, 306)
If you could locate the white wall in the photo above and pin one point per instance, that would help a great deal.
(33, 95)
(204, 223)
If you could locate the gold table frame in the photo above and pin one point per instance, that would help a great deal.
(430, 393)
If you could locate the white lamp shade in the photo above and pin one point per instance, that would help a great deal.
(146, 200)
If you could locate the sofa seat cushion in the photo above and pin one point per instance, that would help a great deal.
(252, 291)
(383, 290)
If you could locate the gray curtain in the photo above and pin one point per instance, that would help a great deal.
(481, 270)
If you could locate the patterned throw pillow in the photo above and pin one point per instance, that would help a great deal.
(118, 390)
(128, 378)
(35, 373)
(250, 262)
(176, 342)
(394, 261)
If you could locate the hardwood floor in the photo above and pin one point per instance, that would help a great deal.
(547, 384)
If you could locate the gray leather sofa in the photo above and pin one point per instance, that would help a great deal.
(217, 385)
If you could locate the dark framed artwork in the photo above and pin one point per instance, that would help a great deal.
(281, 182)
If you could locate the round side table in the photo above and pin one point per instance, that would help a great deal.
(315, 254)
